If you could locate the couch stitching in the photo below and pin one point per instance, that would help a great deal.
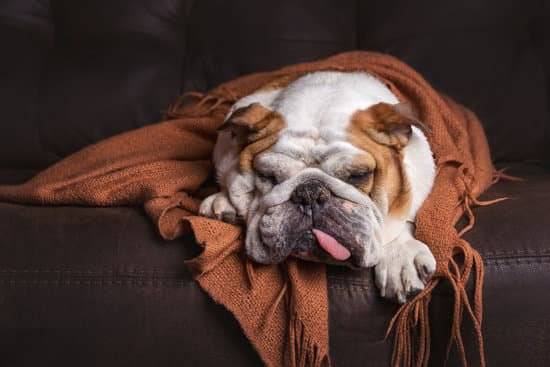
(337, 281)
(154, 283)
(517, 261)
(95, 278)
(128, 272)
(520, 252)
(152, 277)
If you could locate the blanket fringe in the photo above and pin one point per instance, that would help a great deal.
(302, 350)
(412, 328)
(501, 174)
(182, 108)
(411, 322)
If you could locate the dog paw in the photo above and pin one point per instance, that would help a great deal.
(404, 269)
(219, 207)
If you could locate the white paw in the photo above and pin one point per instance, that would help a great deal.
(404, 269)
(219, 207)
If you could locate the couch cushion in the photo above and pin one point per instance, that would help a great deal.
(97, 286)
(26, 36)
(76, 73)
(263, 35)
(480, 53)
(110, 66)
(81, 285)
(540, 28)
(514, 240)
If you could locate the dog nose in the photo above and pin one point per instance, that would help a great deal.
(310, 192)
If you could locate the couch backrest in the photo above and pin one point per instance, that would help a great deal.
(74, 72)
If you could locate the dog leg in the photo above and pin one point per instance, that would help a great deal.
(405, 266)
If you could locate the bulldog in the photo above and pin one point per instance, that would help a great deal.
(328, 167)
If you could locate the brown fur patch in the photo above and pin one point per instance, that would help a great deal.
(269, 126)
(246, 117)
(383, 132)
(386, 124)
(263, 136)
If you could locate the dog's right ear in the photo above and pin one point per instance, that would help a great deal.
(245, 120)
(388, 124)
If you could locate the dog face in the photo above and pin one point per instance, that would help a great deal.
(315, 176)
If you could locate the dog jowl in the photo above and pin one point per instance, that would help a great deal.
(328, 167)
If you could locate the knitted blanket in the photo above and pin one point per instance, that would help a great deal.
(283, 309)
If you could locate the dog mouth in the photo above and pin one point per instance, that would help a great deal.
(326, 246)
(335, 232)
(331, 245)
(320, 246)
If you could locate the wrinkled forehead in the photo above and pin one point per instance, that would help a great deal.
(312, 148)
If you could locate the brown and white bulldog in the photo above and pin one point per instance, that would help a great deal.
(327, 167)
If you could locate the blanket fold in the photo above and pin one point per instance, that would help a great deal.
(283, 309)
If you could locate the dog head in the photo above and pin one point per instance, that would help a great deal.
(318, 182)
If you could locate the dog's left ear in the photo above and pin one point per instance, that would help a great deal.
(388, 124)
(245, 119)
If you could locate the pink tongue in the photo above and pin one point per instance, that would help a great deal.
(330, 245)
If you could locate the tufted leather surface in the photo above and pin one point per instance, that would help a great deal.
(84, 285)
(76, 72)
(90, 286)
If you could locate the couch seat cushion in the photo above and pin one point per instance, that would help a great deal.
(98, 286)
(514, 240)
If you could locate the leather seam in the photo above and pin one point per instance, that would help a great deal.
(126, 272)
(528, 252)
(93, 278)
(155, 278)
(99, 283)
(517, 260)
(337, 282)
(345, 285)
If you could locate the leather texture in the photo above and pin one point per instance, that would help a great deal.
(76, 72)
(91, 286)
(97, 286)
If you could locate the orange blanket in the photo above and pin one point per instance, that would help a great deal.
(283, 310)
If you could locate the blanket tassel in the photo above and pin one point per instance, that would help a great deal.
(411, 322)
(302, 351)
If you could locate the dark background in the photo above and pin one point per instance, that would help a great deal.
(74, 72)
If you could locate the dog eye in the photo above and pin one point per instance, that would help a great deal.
(267, 177)
(358, 177)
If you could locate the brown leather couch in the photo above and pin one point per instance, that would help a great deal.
(98, 287)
